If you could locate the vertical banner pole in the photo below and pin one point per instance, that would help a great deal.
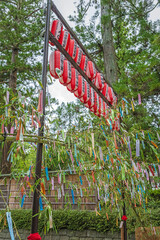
(35, 206)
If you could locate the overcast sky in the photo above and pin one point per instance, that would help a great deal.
(67, 7)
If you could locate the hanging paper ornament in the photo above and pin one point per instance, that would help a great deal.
(67, 73)
(99, 106)
(81, 192)
(93, 107)
(47, 176)
(137, 147)
(10, 225)
(72, 49)
(86, 96)
(56, 29)
(72, 193)
(78, 56)
(90, 93)
(52, 183)
(22, 202)
(80, 178)
(84, 62)
(81, 87)
(139, 98)
(64, 39)
(56, 60)
(40, 204)
(91, 70)
(73, 85)
(99, 81)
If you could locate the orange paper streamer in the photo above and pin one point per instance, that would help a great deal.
(43, 188)
(155, 145)
(93, 176)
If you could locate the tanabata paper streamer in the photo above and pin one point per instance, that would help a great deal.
(81, 180)
(40, 204)
(130, 152)
(92, 135)
(101, 154)
(137, 148)
(99, 206)
(62, 188)
(10, 226)
(34, 236)
(81, 192)
(72, 196)
(149, 137)
(47, 176)
(22, 202)
(52, 183)
(121, 224)
(150, 168)
(69, 169)
(139, 98)
(75, 150)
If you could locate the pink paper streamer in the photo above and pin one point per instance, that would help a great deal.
(71, 157)
(59, 179)
(52, 183)
(139, 98)
(12, 130)
(6, 130)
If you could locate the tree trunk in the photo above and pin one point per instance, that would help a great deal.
(6, 163)
(111, 69)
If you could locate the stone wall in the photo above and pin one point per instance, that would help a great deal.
(68, 235)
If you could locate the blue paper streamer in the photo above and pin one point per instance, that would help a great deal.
(136, 135)
(104, 159)
(119, 191)
(107, 157)
(99, 206)
(110, 125)
(125, 100)
(155, 168)
(104, 133)
(93, 153)
(10, 226)
(47, 176)
(81, 180)
(121, 112)
(75, 150)
(72, 196)
(29, 174)
(77, 161)
(143, 144)
(40, 204)
(149, 137)
(70, 169)
(22, 202)
(108, 175)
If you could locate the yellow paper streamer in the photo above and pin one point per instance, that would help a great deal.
(132, 106)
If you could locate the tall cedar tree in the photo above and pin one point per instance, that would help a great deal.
(21, 25)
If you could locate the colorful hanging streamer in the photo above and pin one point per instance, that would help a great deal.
(10, 226)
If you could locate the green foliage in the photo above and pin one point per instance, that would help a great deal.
(81, 220)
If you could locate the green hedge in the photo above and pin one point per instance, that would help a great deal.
(66, 219)
(81, 220)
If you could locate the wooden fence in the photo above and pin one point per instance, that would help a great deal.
(60, 197)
